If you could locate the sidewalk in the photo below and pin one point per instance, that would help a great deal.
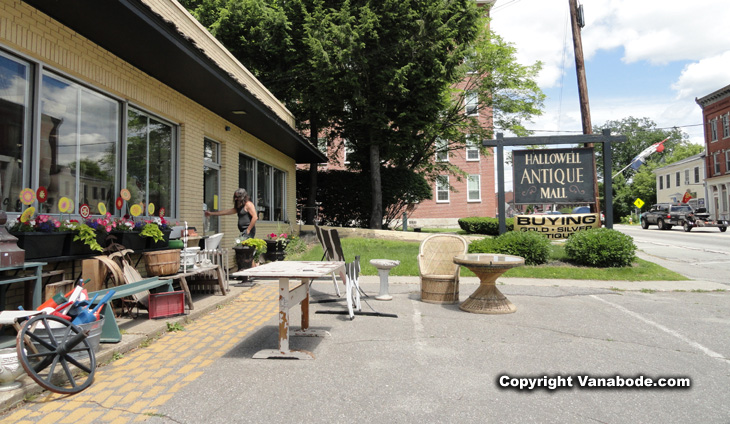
(138, 331)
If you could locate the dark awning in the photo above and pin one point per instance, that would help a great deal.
(133, 32)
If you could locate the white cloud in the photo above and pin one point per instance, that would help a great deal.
(646, 32)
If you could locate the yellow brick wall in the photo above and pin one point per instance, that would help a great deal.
(37, 37)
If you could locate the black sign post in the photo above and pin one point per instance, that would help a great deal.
(605, 138)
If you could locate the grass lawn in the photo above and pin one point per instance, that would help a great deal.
(406, 252)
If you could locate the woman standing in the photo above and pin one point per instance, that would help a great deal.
(244, 207)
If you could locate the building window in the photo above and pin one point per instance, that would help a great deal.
(713, 129)
(472, 149)
(686, 177)
(471, 100)
(442, 189)
(16, 80)
(661, 183)
(727, 161)
(150, 149)
(716, 160)
(669, 184)
(677, 181)
(442, 150)
(211, 182)
(697, 174)
(473, 188)
(726, 125)
(348, 151)
(266, 185)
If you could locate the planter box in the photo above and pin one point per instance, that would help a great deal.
(162, 244)
(130, 239)
(274, 251)
(79, 248)
(41, 245)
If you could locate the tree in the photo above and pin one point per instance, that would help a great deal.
(632, 184)
(382, 75)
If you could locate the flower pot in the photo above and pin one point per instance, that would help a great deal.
(274, 251)
(130, 239)
(41, 245)
(79, 248)
(244, 256)
(162, 244)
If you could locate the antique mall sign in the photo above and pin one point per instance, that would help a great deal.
(557, 226)
(560, 176)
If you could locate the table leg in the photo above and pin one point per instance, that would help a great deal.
(305, 331)
(487, 299)
(38, 286)
(188, 296)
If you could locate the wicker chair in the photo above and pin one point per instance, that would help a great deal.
(439, 273)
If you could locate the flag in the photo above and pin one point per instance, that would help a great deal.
(640, 159)
(686, 197)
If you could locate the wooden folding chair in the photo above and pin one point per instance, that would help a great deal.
(325, 239)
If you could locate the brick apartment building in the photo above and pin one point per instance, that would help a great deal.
(716, 116)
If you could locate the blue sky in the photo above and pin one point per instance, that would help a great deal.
(643, 58)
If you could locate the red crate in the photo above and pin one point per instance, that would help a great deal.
(166, 304)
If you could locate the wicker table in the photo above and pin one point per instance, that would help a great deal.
(487, 299)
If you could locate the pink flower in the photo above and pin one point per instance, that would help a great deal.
(108, 228)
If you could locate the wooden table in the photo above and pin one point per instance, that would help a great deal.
(182, 276)
(284, 271)
(487, 299)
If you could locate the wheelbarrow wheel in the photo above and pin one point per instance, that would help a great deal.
(56, 356)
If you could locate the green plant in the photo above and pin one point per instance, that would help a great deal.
(532, 246)
(87, 235)
(295, 246)
(601, 247)
(174, 326)
(258, 244)
(484, 225)
(152, 230)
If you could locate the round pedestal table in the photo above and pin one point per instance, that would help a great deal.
(487, 299)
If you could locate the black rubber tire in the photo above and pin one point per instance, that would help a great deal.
(687, 227)
(723, 229)
(660, 224)
(644, 224)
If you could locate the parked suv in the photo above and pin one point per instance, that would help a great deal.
(665, 216)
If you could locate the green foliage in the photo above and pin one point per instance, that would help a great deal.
(342, 202)
(173, 327)
(532, 246)
(484, 225)
(88, 236)
(295, 246)
(601, 247)
(258, 244)
(152, 230)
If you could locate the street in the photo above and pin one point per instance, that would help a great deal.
(702, 254)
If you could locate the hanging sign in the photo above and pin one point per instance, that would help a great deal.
(85, 211)
(560, 176)
(151, 209)
(126, 195)
(557, 227)
(162, 212)
(120, 203)
(102, 208)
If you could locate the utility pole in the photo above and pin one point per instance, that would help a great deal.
(576, 23)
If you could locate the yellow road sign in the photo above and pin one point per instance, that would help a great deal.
(639, 203)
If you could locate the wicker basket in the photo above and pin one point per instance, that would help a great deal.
(162, 262)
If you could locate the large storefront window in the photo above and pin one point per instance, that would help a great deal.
(14, 129)
(266, 185)
(77, 151)
(78, 145)
(149, 161)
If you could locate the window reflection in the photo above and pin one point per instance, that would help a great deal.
(14, 129)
